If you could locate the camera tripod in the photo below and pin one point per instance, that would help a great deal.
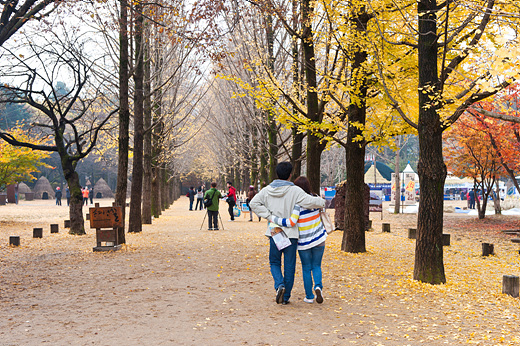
(206, 214)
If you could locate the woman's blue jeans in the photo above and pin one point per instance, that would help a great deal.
(311, 267)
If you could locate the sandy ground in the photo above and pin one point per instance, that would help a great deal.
(175, 284)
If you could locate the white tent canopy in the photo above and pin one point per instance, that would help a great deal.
(409, 169)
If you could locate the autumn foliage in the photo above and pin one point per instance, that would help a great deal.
(17, 163)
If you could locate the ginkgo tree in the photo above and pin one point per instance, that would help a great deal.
(17, 163)
(462, 52)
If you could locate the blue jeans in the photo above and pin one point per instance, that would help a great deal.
(289, 266)
(311, 267)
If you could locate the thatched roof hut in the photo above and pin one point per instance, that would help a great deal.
(23, 188)
(102, 190)
(43, 189)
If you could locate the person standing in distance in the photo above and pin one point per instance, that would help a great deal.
(212, 210)
(231, 200)
(191, 196)
(278, 200)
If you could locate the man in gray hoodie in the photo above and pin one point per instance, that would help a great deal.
(279, 199)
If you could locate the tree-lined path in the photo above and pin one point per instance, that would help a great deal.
(176, 284)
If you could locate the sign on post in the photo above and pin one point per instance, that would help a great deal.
(109, 218)
(105, 217)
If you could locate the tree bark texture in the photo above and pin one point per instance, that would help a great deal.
(354, 233)
(124, 119)
(429, 266)
(77, 223)
(147, 140)
(134, 224)
(397, 182)
(314, 147)
(272, 132)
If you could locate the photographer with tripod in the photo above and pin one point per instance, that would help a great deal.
(212, 195)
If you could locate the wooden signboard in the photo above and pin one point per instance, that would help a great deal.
(105, 217)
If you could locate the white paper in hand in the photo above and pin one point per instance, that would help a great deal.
(281, 240)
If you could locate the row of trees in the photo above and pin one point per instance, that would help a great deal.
(294, 78)
(129, 64)
(359, 73)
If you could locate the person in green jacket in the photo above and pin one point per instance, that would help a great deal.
(214, 195)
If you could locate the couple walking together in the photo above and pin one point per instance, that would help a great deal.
(292, 207)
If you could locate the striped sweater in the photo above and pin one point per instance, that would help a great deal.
(310, 227)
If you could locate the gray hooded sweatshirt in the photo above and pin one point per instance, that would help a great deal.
(279, 199)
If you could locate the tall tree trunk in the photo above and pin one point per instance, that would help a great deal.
(137, 166)
(314, 147)
(147, 145)
(272, 132)
(77, 223)
(354, 234)
(124, 119)
(429, 265)
(297, 137)
(164, 189)
(254, 157)
(397, 182)
(156, 200)
(296, 153)
(264, 174)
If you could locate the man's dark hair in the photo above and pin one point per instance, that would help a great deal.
(284, 170)
(213, 184)
(229, 183)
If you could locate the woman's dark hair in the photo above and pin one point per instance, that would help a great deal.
(304, 183)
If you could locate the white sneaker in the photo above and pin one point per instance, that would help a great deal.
(307, 300)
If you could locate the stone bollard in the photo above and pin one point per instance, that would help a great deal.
(488, 249)
(412, 233)
(67, 224)
(37, 232)
(55, 228)
(14, 240)
(386, 227)
(510, 285)
(446, 239)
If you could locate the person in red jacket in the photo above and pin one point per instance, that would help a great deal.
(231, 199)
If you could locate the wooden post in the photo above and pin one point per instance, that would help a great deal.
(55, 228)
(37, 232)
(510, 285)
(369, 226)
(88, 216)
(386, 227)
(412, 233)
(487, 249)
(446, 239)
(14, 240)
(67, 224)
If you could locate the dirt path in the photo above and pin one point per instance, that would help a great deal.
(176, 284)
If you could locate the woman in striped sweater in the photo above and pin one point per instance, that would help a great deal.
(311, 243)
